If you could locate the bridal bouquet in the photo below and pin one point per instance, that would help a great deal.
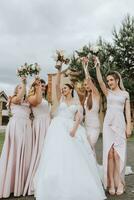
(94, 50)
(23, 71)
(60, 58)
(34, 69)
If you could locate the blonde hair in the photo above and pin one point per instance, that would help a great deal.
(32, 89)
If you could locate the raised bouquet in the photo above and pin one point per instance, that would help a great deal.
(34, 69)
(94, 50)
(25, 70)
(60, 59)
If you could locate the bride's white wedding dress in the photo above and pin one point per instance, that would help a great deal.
(67, 169)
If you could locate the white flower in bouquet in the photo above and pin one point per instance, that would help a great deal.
(55, 57)
(76, 56)
(34, 69)
(94, 49)
(60, 58)
(61, 52)
(111, 58)
(22, 71)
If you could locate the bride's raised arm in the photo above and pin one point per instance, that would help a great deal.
(58, 81)
(99, 76)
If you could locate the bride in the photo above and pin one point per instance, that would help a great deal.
(67, 169)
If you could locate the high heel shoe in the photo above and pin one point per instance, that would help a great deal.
(120, 191)
(111, 191)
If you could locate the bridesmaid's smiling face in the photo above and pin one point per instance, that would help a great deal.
(18, 88)
(112, 82)
(87, 86)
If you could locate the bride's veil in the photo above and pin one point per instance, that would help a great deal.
(77, 101)
(76, 97)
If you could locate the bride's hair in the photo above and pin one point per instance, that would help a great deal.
(46, 88)
(71, 87)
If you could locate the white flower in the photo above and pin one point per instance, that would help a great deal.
(94, 49)
(61, 52)
(111, 58)
(80, 50)
(55, 57)
(76, 55)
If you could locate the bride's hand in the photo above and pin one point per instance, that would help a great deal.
(59, 65)
(72, 132)
(23, 79)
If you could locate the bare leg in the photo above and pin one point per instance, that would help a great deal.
(91, 144)
(117, 178)
(111, 165)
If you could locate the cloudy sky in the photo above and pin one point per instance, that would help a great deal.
(31, 30)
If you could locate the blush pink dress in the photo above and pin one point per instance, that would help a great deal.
(92, 122)
(40, 125)
(114, 131)
(16, 153)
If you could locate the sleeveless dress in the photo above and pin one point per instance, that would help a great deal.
(67, 169)
(114, 128)
(92, 122)
(16, 153)
(40, 125)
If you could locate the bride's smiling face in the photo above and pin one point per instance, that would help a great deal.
(66, 90)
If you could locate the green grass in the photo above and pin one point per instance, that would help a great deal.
(131, 139)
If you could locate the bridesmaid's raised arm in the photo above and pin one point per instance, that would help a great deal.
(35, 94)
(58, 81)
(128, 116)
(90, 82)
(20, 92)
(99, 77)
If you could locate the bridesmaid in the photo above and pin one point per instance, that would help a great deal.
(91, 102)
(16, 153)
(41, 113)
(116, 129)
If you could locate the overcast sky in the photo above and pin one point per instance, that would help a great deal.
(31, 30)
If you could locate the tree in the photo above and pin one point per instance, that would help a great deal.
(124, 52)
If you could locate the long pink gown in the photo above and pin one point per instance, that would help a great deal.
(40, 125)
(92, 122)
(16, 153)
(114, 131)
